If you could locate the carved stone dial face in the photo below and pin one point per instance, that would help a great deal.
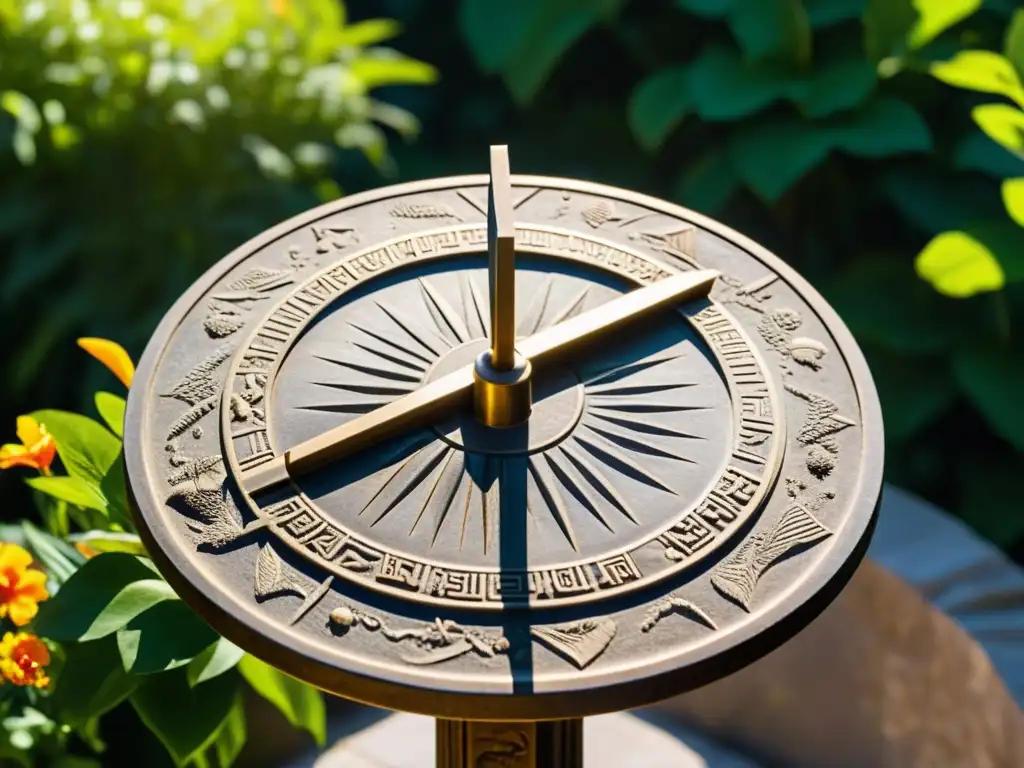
(714, 468)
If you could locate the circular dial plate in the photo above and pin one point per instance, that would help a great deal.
(686, 494)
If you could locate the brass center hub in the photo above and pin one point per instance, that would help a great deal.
(558, 401)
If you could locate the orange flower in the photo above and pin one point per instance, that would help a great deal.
(37, 447)
(23, 658)
(85, 550)
(21, 588)
(112, 355)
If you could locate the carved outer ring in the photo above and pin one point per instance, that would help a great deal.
(609, 691)
(767, 480)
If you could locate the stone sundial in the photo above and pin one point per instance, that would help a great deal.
(504, 450)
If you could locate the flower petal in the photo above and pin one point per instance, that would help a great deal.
(23, 610)
(112, 355)
(14, 558)
(12, 455)
(32, 584)
(28, 430)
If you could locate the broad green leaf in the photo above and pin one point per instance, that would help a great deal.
(983, 480)
(886, 25)
(111, 541)
(1003, 124)
(186, 720)
(823, 13)
(836, 86)
(991, 379)
(215, 660)
(712, 9)
(495, 31)
(301, 704)
(772, 29)
(658, 104)
(914, 392)
(938, 201)
(374, 70)
(92, 682)
(708, 184)
(1013, 199)
(401, 120)
(724, 88)
(70, 613)
(936, 16)
(1005, 240)
(227, 744)
(132, 600)
(58, 559)
(770, 155)
(369, 32)
(111, 409)
(1013, 47)
(147, 647)
(978, 152)
(884, 127)
(73, 490)
(957, 265)
(85, 446)
(115, 491)
(981, 71)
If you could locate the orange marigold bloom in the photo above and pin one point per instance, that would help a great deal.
(37, 447)
(23, 659)
(112, 355)
(21, 588)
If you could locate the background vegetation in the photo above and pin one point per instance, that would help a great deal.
(855, 138)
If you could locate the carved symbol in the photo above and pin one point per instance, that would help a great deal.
(270, 578)
(737, 577)
(796, 489)
(423, 211)
(821, 423)
(679, 240)
(777, 330)
(440, 641)
(199, 484)
(504, 750)
(671, 605)
(600, 213)
(200, 390)
(334, 238)
(579, 643)
(225, 310)
(749, 295)
(242, 403)
(563, 210)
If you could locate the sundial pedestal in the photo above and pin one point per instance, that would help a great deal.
(505, 450)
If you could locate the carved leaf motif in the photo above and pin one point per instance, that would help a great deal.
(423, 211)
(579, 643)
(270, 578)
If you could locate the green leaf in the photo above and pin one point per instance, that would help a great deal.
(228, 743)
(914, 393)
(58, 559)
(957, 265)
(936, 201)
(991, 380)
(494, 31)
(1005, 240)
(380, 66)
(111, 410)
(215, 660)
(658, 104)
(771, 154)
(983, 482)
(981, 71)
(936, 16)
(369, 32)
(772, 29)
(884, 127)
(836, 86)
(708, 184)
(301, 704)
(115, 491)
(70, 613)
(711, 9)
(1013, 46)
(886, 25)
(92, 682)
(977, 152)
(110, 541)
(1003, 124)
(85, 446)
(186, 720)
(823, 13)
(724, 88)
(132, 600)
(23, 109)
(148, 647)
(1013, 199)
(73, 490)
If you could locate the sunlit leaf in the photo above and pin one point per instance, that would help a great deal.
(391, 69)
(369, 32)
(978, 152)
(23, 109)
(301, 704)
(110, 541)
(936, 16)
(1013, 199)
(111, 409)
(1013, 46)
(73, 490)
(147, 647)
(1003, 124)
(86, 447)
(959, 266)
(215, 660)
(92, 682)
(227, 744)
(981, 71)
